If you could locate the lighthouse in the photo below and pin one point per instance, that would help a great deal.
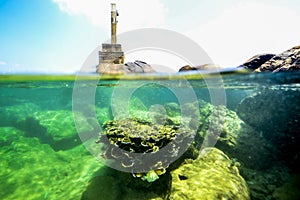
(111, 56)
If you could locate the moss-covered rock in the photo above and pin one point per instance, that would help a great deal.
(12, 115)
(222, 128)
(60, 124)
(9, 135)
(31, 170)
(54, 127)
(211, 176)
(216, 122)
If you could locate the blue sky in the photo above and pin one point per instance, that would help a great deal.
(58, 35)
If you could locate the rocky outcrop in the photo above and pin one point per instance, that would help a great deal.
(200, 67)
(275, 113)
(138, 67)
(286, 61)
(187, 68)
(130, 67)
(211, 176)
(256, 61)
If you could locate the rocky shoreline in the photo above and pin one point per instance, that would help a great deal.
(286, 61)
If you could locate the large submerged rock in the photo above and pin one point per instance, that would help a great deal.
(32, 170)
(275, 113)
(14, 114)
(211, 176)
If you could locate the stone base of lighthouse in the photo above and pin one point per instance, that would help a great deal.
(111, 59)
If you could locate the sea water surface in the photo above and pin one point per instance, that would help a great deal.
(41, 150)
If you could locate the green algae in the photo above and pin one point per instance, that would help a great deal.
(31, 170)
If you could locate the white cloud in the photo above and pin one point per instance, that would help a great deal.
(2, 63)
(246, 30)
(133, 13)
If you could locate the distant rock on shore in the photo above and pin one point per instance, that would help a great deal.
(200, 67)
(287, 61)
(256, 61)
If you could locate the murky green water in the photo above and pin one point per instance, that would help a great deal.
(42, 155)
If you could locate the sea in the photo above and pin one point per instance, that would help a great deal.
(50, 127)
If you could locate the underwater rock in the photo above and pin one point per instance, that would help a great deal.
(129, 137)
(218, 125)
(60, 124)
(256, 61)
(12, 115)
(252, 150)
(222, 128)
(287, 61)
(111, 184)
(31, 170)
(104, 186)
(290, 190)
(56, 128)
(211, 176)
(263, 184)
(221, 125)
(9, 135)
(275, 113)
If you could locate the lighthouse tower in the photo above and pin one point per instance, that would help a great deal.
(114, 14)
(111, 54)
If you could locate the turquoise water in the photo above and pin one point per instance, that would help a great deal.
(45, 118)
